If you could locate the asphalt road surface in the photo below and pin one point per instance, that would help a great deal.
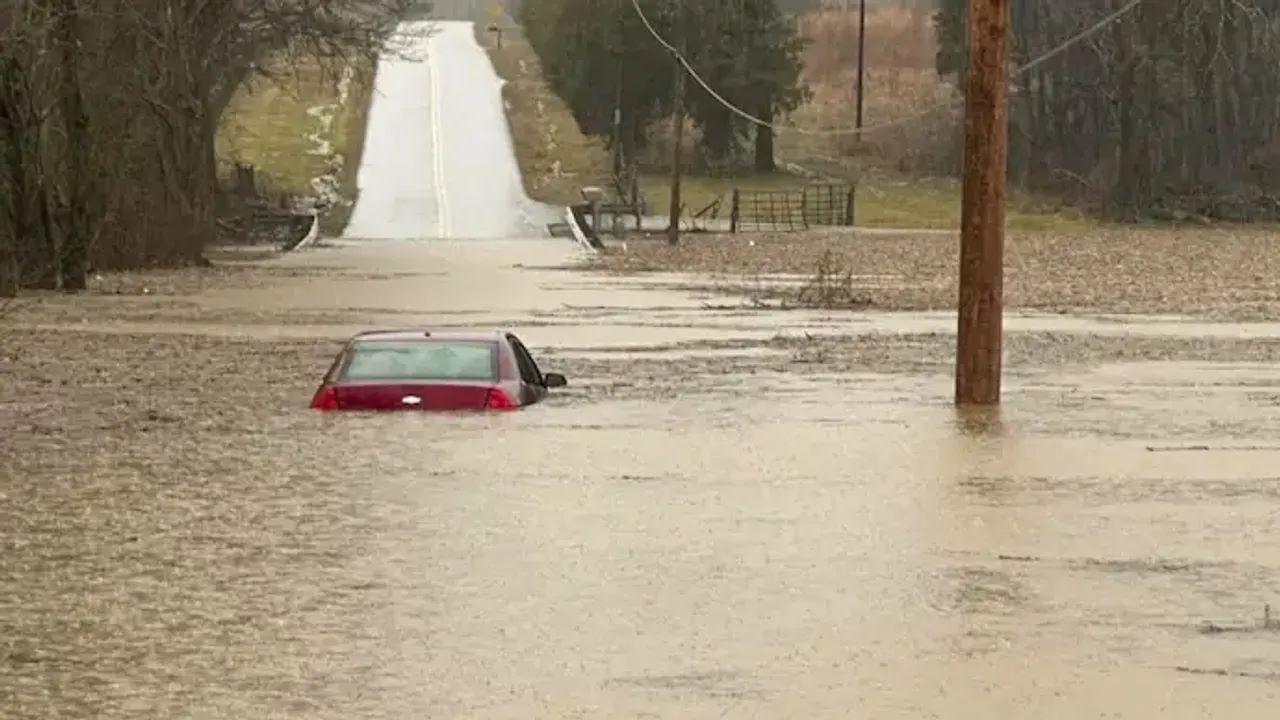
(438, 160)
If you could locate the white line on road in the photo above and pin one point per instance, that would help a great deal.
(437, 149)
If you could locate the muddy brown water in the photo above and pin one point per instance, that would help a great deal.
(712, 521)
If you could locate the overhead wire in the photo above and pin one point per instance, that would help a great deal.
(1021, 70)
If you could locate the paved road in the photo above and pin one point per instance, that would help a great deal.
(438, 158)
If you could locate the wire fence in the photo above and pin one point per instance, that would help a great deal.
(818, 205)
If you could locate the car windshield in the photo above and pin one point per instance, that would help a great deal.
(422, 360)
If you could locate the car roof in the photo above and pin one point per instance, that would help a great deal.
(409, 334)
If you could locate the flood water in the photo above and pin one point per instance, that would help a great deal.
(697, 536)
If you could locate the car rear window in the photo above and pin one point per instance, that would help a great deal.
(422, 360)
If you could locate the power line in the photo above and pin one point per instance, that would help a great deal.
(1058, 50)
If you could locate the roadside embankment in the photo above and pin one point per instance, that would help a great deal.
(556, 159)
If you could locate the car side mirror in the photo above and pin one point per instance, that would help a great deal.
(554, 380)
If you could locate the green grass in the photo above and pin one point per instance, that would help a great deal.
(267, 125)
(922, 204)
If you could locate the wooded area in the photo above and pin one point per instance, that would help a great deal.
(599, 56)
(108, 114)
(1172, 109)
(1169, 112)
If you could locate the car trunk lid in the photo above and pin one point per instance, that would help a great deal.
(413, 396)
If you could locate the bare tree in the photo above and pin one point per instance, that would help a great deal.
(26, 106)
(1175, 107)
(109, 111)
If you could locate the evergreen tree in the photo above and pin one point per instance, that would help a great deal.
(746, 50)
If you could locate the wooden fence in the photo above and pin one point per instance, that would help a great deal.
(829, 205)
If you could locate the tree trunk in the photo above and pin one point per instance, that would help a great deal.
(225, 86)
(209, 168)
(33, 244)
(764, 160)
(78, 230)
(719, 142)
(8, 268)
(16, 196)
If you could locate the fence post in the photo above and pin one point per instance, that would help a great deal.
(848, 207)
(734, 212)
(804, 209)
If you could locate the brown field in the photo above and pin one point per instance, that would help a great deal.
(901, 86)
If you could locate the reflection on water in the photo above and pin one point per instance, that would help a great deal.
(181, 538)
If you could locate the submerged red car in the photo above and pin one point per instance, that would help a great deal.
(429, 370)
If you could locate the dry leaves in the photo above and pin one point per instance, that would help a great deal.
(1213, 273)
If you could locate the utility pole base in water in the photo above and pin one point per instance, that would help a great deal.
(981, 302)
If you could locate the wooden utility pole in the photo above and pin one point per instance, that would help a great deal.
(862, 59)
(980, 316)
(617, 127)
(617, 100)
(677, 131)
